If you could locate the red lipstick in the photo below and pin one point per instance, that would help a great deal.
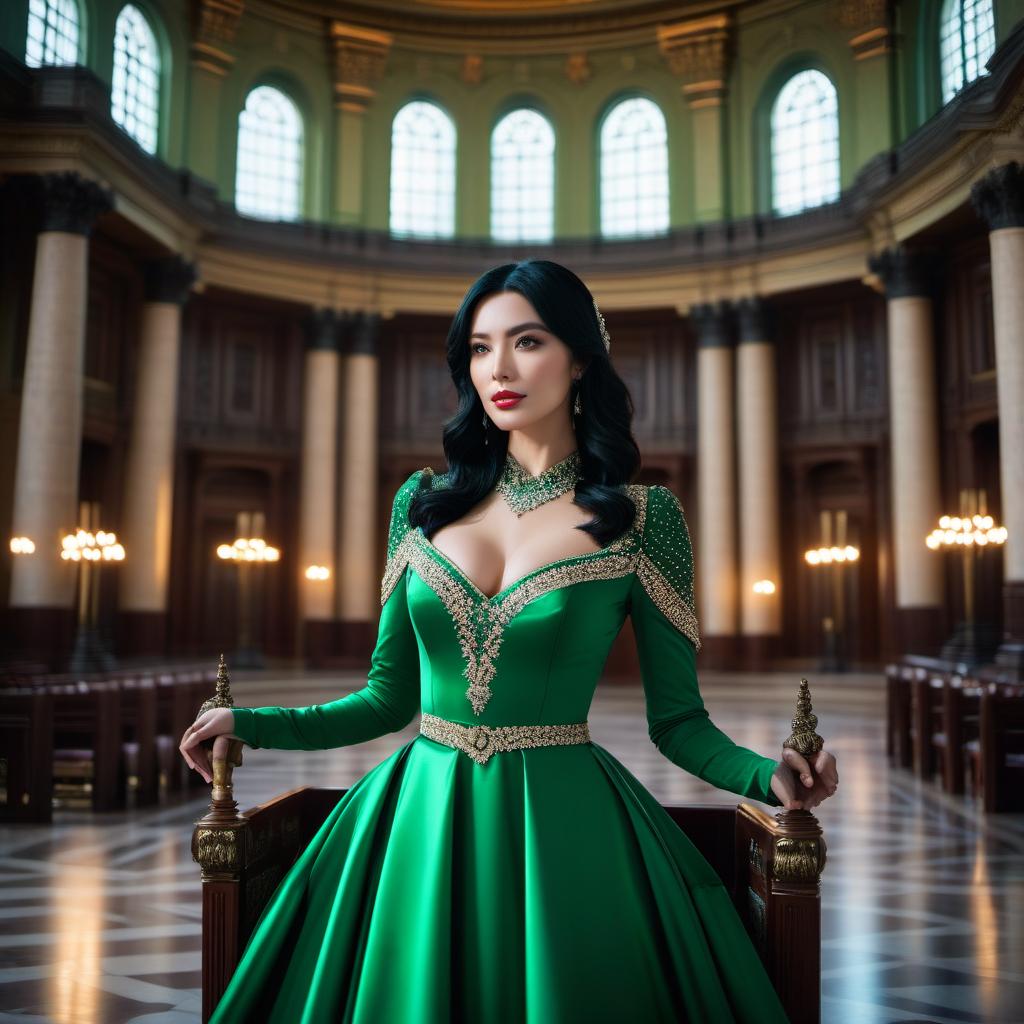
(507, 399)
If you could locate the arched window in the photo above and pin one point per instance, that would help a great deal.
(52, 36)
(967, 38)
(135, 91)
(522, 177)
(422, 171)
(268, 165)
(634, 169)
(805, 143)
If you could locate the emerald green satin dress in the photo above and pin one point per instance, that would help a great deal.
(545, 885)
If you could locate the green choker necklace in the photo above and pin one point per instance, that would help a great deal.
(523, 492)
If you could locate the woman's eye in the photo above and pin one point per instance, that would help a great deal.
(534, 343)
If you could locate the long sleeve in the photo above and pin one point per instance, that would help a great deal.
(667, 636)
(388, 702)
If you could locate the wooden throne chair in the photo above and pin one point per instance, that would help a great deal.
(770, 864)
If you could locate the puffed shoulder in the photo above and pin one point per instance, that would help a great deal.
(665, 564)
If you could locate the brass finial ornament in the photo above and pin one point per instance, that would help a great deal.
(222, 695)
(803, 739)
(221, 798)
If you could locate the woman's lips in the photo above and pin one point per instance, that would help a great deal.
(510, 401)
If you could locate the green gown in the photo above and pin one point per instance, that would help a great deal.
(545, 885)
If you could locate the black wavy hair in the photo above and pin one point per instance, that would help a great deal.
(609, 454)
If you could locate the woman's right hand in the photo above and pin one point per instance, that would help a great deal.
(215, 724)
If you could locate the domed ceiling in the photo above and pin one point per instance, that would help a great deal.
(545, 26)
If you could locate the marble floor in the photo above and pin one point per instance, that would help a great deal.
(922, 895)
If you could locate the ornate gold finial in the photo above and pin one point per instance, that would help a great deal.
(222, 695)
(803, 739)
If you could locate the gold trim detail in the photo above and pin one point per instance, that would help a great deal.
(668, 601)
(481, 741)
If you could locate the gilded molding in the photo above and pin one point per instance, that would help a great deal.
(859, 15)
(214, 27)
(698, 52)
(359, 55)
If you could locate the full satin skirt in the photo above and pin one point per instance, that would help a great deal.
(546, 886)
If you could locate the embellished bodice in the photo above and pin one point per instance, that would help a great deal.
(533, 652)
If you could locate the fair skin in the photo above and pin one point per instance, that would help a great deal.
(511, 349)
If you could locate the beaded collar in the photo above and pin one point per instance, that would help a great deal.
(524, 492)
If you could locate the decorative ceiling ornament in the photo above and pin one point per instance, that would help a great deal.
(472, 69)
(577, 68)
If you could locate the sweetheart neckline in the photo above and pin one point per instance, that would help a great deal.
(456, 571)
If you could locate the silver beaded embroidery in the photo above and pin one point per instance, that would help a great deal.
(481, 741)
(523, 492)
(656, 548)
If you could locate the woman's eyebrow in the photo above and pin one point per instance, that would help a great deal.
(512, 330)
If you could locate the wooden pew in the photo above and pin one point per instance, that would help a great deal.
(961, 698)
(87, 727)
(996, 757)
(26, 755)
(771, 867)
(898, 706)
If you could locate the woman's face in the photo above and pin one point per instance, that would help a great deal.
(510, 350)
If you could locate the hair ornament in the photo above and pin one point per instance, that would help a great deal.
(604, 330)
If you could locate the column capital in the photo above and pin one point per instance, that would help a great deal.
(752, 319)
(214, 27)
(323, 327)
(65, 200)
(698, 52)
(904, 272)
(998, 197)
(362, 333)
(169, 279)
(711, 323)
(359, 55)
(869, 20)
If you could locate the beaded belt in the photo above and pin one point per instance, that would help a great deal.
(480, 741)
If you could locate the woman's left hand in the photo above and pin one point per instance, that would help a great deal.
(797, 786)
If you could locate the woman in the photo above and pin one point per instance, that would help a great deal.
(501, 866)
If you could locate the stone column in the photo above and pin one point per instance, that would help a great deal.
(358, 569)
(915, 448)
(149, 469)
(42, 594)
(359, 58)
(214, 27)
(758, 458)
(999, 200)
(317, 526)
(698, 52)
(715, 555)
